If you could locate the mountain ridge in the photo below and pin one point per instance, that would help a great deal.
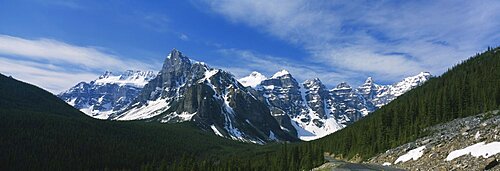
(173, 95)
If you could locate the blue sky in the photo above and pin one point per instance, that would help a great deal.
(55, 44)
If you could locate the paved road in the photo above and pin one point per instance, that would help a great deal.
(339, 165)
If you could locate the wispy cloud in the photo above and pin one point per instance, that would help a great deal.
(154, 21)
(245, 61)
(55, 65)
(49, 77)
(184, 37)
(385, 39)
(73, 4)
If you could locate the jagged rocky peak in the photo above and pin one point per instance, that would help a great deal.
(105, 75)
(107, 94)
(254, 79)
(185, 90)
(409, 83)
(369, 80)
(343, 86)
(176, 58)
(282, 80)
(314, 84)
(419, 78)
(368, 85)
(369, 89)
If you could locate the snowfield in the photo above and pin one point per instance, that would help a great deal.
(476, 150)
(414, 154)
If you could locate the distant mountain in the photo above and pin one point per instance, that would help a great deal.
(381, 95)
(315, 111)
(108, 94)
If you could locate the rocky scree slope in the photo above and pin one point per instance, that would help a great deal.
(471, 143)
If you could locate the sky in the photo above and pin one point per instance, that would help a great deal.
(56, 44)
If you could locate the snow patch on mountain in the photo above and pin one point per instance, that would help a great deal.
(252, 80)
(129, 77)
(150, 109)
(216, 131)
(280, 74)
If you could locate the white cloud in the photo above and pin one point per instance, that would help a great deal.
(385, 39)
(52, 51)
(48, 77)
(56, 65)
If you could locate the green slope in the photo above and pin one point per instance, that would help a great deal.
(38, 131)
(467, 89)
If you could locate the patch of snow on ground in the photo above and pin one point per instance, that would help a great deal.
(476, 150)
(216, 131)
(414, 154)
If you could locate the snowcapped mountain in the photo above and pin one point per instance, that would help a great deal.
(108, 94)
(314, 111)
(381, 95)
(185, 90)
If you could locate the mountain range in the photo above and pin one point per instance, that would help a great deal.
(252, 109)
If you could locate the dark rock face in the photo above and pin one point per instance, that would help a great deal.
(283, 92)
(214, 99)
(315, 95)
(348, 105)
(313, 109)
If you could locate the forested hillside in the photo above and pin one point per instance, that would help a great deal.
(41, 132)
